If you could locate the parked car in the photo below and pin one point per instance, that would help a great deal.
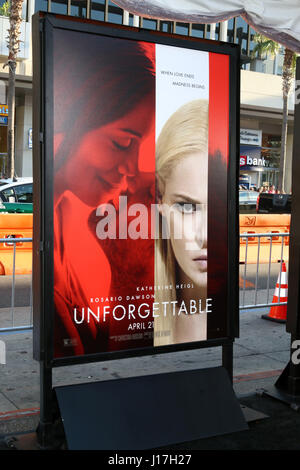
(247, 201)
(16, 207)
(19, 191)
(21, 179)
(268, 203)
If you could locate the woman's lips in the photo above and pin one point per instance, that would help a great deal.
(201, 262)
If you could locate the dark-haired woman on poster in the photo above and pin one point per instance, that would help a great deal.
(104, 111)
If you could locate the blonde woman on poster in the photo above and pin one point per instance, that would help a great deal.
(181, 261)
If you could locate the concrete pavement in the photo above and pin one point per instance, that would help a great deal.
(260, 354)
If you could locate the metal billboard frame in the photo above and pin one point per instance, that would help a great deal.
(44, 25)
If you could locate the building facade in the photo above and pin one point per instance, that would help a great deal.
(23, 121)
(261, 94)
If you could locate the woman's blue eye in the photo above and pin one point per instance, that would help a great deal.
(186, 208)
(123, 143)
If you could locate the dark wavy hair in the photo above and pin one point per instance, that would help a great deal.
(97, 80)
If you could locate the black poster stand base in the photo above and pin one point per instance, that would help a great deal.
(287, 387)
(150, 411)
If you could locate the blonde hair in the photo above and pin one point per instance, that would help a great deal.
(185, 133)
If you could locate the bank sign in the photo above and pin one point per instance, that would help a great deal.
(251, 158)
(253, 162)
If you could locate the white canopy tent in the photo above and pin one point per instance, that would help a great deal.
(276, 19)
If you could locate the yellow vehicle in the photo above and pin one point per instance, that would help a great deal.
(15, 226)
(264, 223)
(20, 226)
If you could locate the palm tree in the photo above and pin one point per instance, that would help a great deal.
(262, 47)
(15, 20)
(288, 72)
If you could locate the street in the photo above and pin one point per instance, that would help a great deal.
(22, 290)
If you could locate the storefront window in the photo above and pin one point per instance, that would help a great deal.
(2, 166)
(272, 157)
(259, 166)
(271, 144)
(271, 141)
(269, 179)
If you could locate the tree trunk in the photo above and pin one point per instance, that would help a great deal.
(284, 128)
(11, 120)
(15, 20)
(287, 76)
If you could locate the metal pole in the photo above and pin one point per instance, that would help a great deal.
(31, 304)
(227, 359)
(245, 271)
(45, 433)
(13, 287)
(269, 272)
(257, 269)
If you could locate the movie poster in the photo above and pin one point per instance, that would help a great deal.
(141, 134)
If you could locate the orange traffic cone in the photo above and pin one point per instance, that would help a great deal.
(278, 312)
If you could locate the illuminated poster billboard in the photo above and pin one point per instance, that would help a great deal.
(138, 204)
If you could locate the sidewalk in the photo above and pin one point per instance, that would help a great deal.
(260, 354)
